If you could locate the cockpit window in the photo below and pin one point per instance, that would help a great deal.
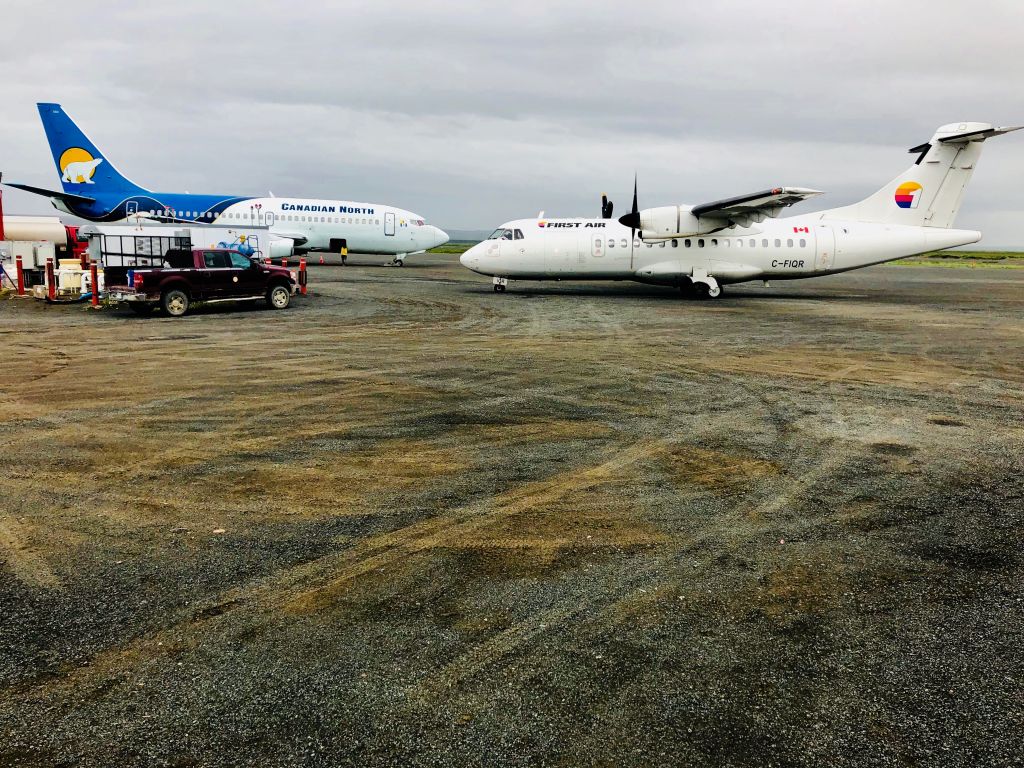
(519, 234)
(501, 234)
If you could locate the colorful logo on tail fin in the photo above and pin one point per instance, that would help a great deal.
(78, 166)
(908, 194)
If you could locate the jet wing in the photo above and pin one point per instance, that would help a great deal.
(757, 206)
(66, 196)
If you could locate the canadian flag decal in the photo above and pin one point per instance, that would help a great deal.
(801, 229)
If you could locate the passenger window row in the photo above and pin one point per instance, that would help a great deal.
(725, 242)
(239, 216)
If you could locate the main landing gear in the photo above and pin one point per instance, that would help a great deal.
(702, 288)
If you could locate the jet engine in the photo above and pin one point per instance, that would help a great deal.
(280, 247)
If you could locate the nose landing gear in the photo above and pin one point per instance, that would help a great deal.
(500, 283)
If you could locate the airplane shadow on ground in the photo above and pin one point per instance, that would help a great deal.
(667, 294)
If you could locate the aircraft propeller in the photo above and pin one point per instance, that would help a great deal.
(632, 220)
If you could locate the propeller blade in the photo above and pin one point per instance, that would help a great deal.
(632, 219)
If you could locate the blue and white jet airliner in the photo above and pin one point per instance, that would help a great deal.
(94, 189)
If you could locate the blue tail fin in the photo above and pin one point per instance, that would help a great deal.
(82, 168)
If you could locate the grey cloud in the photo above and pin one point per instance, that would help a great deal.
(471, 113)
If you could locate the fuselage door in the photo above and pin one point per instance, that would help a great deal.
(824, 248)
(389, 224)
(269, 215)
(131, 208)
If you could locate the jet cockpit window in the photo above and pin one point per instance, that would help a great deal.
(519, 234)
(501, 234)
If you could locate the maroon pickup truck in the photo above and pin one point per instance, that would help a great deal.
(207, 274)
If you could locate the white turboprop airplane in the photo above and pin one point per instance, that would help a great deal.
(700, 248)
(93, 189)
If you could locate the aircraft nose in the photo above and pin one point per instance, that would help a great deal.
(440, 236)
(470, 259)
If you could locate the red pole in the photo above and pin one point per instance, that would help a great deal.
(72, 237)
(302, 275)
(21, 276)
(51, 284)
(2, 233)
(94, 282)
(284, 262)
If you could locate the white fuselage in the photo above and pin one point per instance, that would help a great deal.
(797, 247)
(365, 227)
(322, 225)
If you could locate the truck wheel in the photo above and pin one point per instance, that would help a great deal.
(175, 302)
(278, 297)
(141, 309)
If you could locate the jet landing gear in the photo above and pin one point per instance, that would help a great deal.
(500, 283)
(399, 260)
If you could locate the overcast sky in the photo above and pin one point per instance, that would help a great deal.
(474, 113)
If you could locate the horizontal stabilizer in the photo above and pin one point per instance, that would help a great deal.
(980, 135)
(66, 196)
(766, 203)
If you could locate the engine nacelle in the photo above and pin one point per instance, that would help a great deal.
(673, 221)
(280, 247)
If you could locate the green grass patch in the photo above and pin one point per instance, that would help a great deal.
(455, 246)
(1002, 259)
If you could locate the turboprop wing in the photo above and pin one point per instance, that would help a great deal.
(681, 221)
(745, 209)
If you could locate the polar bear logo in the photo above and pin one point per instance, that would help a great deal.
(81, 171)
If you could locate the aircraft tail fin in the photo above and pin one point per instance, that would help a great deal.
(81, 166)
(929, 193)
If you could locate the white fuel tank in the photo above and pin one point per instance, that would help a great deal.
(35, 228)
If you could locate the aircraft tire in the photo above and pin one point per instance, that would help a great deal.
(499, 289)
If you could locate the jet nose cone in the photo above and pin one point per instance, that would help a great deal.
(440, 236)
